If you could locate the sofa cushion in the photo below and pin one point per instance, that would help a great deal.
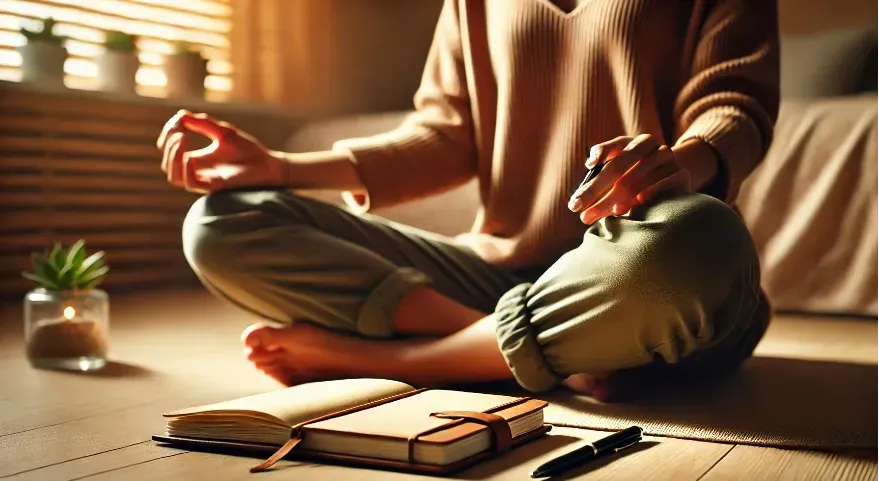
(828, 64)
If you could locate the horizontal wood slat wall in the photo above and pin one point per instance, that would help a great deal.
(74, 165)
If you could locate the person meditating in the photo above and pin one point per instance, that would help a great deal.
(647, 272)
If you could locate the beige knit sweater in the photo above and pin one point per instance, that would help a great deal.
(515, 92)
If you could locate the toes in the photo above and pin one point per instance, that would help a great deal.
(259, 336)
(259, 355)
(285, 337)
(293, 354)
(297, 337)
(272, 363)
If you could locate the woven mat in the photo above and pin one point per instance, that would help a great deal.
(772, 402)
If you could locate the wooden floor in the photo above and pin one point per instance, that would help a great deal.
(172, 350)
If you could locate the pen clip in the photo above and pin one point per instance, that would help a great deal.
(634, 442)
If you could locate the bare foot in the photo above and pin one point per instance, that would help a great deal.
(601, 386)
(298, 353)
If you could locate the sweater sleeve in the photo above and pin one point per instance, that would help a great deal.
(731, 97)
(433, 150)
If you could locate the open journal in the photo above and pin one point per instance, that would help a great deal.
(365, 421)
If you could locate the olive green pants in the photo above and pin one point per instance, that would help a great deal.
(675, 283)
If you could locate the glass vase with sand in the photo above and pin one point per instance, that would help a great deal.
(66, 317)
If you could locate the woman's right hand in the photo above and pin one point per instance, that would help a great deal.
(234, 159)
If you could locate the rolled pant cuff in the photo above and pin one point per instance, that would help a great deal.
(376, 316)
(519, 345)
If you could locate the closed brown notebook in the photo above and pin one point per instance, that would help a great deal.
(373, 422)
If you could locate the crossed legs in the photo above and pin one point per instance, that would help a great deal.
(382, 300)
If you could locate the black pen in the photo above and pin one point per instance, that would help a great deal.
(615, 442)
(589, 176)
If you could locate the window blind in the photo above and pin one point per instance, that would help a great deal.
(158, 23)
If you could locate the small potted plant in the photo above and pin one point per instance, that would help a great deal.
(43, 56)
(186, 71)
(66, 318)
(119, 63)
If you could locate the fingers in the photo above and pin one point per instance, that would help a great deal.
(206, 125)
(619, 199)
(171, 126)
(601, 153)
(680, 180)
(182, 167)
(173, 158)
(648, 171)
(598, 154)
(193, 162)
(627, 192)
(619, 155)
(601, 209)
(199, 123)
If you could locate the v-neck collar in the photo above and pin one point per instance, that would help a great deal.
(549, 4)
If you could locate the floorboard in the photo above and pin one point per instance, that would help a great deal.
(176, 349)
(668, 460)
(770, 464)
(105, 462)
(159, 345)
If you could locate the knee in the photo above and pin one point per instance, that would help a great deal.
(698, 231)
(208, 226)
(665, 284)
(200, 241)
(705, 252)
(226, 229)
(704, 274)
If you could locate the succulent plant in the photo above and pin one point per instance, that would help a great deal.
(118, 41)
(68, 269)
(44, 35)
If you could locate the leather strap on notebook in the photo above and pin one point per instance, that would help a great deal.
(500, 429)
(502, 436)
(296, 431)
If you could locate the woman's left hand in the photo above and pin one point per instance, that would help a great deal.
(636, 169)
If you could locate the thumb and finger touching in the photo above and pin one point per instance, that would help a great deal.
(205, 125)
(183, 166)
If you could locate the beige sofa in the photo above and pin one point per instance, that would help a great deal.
(811, 205)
